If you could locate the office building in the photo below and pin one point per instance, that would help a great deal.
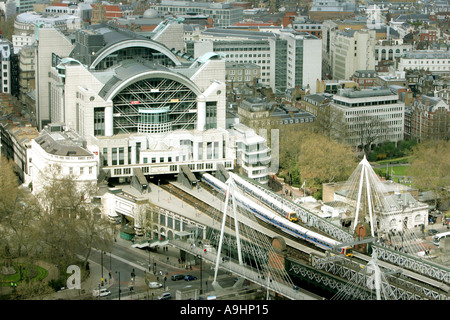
(223, 14)
(373, 116)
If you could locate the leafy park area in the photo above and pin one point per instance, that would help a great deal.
(23, 273)
(46, 231)
(310, 160)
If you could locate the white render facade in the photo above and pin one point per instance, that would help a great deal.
(155, 148)
(253, 155)
(304, 71)
(62, 149)
(437, 61)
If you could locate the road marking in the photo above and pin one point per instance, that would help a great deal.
(125, 261)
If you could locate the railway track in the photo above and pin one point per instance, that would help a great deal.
(216, 214)
(205, 208)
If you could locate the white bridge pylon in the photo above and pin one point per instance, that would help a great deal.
(366, 192)
(231, 186)
(364, 179)
(260, 263)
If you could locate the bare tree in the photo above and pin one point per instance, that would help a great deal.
(370, 130)
(70, 223)
(330, 122)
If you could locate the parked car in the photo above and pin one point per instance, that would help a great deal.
(189, 278)
(154, 285)
(432, 232)
(165, 296)
(176, 277)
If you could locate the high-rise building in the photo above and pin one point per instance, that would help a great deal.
(352, 50)
(296, 61)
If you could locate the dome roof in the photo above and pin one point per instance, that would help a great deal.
(151, 13)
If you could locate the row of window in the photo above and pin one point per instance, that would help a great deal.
(172, 168)
(428, 61)
(80, 170)
(364, 104)
(247, 71)
(246, 78)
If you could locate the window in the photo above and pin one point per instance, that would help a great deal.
(114, 156)
(121, 156)
(105, 156)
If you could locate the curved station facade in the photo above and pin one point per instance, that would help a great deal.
(136, 107)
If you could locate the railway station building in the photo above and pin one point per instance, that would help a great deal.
(138, 108)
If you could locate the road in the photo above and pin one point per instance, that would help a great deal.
(123, 261)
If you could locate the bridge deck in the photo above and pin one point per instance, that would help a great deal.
(248, 273)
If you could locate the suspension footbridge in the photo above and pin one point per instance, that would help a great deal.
(243, 245)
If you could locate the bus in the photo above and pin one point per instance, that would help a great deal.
(440, 236)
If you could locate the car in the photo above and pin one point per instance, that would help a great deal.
(154, 285)
(165, 296)
(101, 293)
(189, 278)
(432, 232)
(176, 277)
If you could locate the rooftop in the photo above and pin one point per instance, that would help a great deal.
(55, 140)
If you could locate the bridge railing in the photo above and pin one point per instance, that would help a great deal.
(418, 265)
(248, 273)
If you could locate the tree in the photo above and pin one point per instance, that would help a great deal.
(9, 192)
(323, 160)
(16, 218)
(69, 222)
(7, 27)
(289, 137)
(330, 122)
(430, 167)
(305, 155)
(371, 130)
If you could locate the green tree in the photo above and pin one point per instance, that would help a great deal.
(323, 160)
(7, 27)
(430, 167)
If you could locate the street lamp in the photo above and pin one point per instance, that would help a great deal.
(101, 256)
(119, 282)
(158, 188)
(201, 273)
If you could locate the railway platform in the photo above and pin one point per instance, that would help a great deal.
(164, 199)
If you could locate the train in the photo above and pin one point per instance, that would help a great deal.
(271, 202)
(280, 222)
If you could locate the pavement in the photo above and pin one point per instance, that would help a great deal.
(168, 257)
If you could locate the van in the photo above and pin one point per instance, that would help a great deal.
(176, 277)
(101, 292)
(165, 296)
